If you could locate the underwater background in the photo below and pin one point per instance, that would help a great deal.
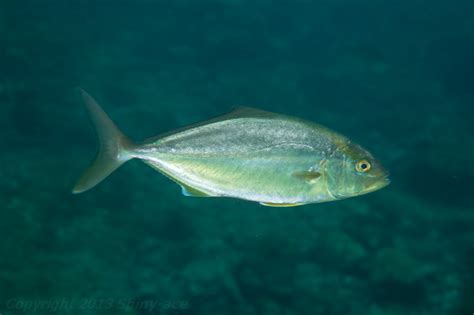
(395, 76)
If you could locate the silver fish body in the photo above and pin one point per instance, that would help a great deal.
(253, 158)
(248, 154)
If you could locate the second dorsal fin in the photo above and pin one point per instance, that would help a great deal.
(244, 111)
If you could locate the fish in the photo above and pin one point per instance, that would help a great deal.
(251, 154)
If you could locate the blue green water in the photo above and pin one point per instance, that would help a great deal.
(395, 76)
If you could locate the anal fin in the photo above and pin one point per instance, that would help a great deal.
(186, 190)
(192, 192)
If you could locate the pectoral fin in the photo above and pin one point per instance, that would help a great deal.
(307, 176)
(269, 204)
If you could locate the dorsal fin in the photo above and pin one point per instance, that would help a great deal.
(244, 111)
(238, 112)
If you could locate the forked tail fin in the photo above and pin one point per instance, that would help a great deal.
(114, 147)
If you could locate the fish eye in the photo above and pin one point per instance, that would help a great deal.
(363, 166)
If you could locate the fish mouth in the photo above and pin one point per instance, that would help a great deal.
(385, 181)
(379, 184)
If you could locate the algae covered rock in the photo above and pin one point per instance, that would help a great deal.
(397, 276)
(394, 265)
(338, 249)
